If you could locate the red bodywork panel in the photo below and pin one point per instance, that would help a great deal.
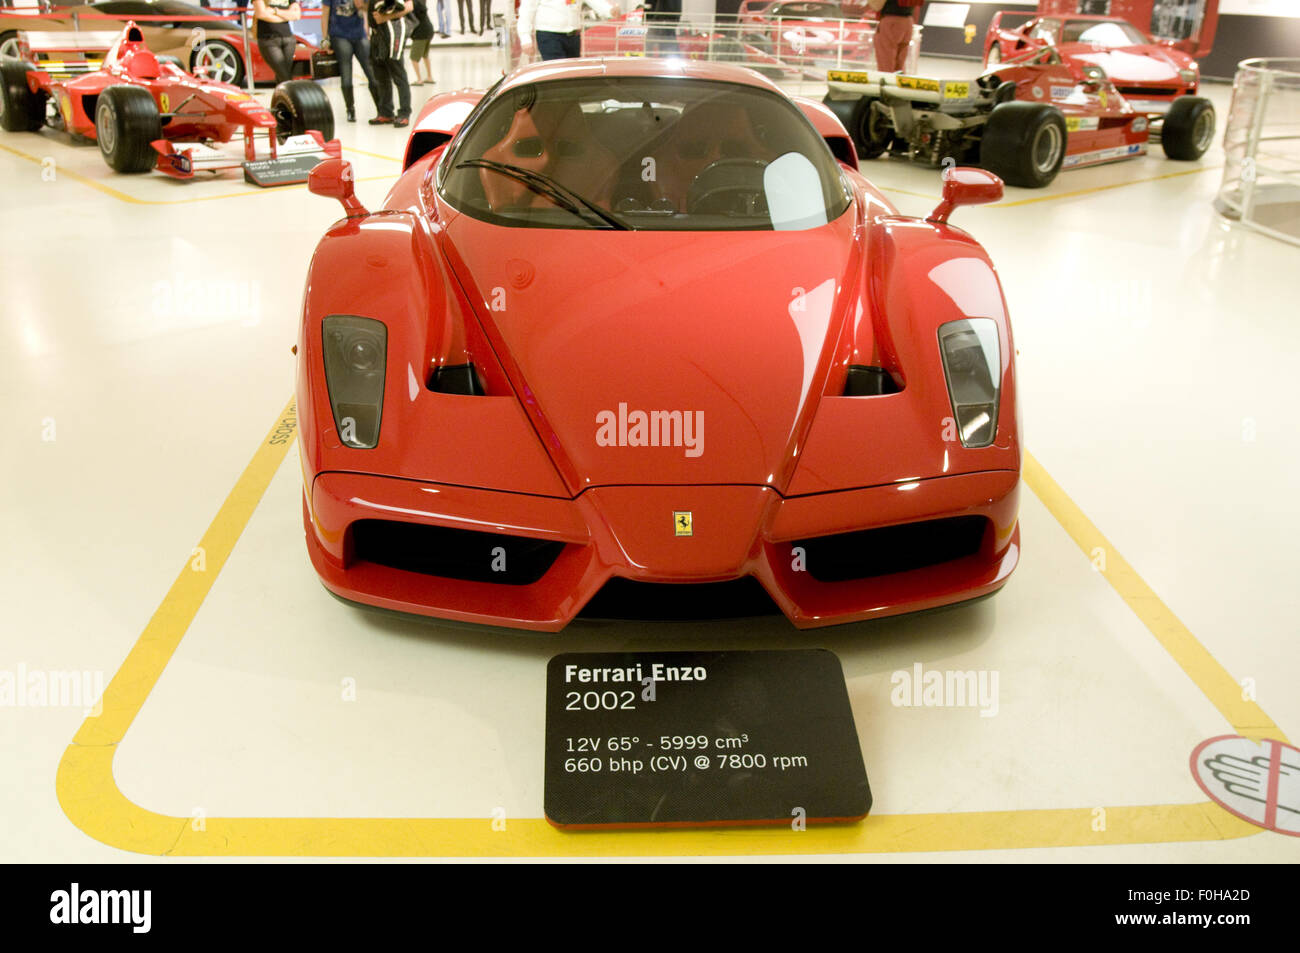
(753, 330)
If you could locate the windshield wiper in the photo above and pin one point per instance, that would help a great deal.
(561, 195)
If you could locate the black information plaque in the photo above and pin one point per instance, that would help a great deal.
(676, 739)
(286, 170)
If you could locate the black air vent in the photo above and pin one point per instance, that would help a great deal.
(457, 379)
(879, 552)
(453, 553)
(865, 381)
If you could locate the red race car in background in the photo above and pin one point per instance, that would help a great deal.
(1025, 120)
(1148, 73)
(795, 38)
(807, 32)
(201, 42)
(637, 330)
(148, 113)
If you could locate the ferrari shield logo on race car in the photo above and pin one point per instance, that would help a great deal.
(164, 101)
(682, 524)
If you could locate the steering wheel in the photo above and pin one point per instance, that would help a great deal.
(729, 187)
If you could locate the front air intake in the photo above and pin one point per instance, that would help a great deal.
(453, 553)
(867, 553)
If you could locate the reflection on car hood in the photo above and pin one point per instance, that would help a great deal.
(730, 329)
(1138, 64)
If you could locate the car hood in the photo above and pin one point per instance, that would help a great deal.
(662, 357)
(1134, 64)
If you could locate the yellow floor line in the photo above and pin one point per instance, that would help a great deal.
(1106, 188)
(90, 797)
(124, 197)
(1067, 195)
(373, 155)
(1223, 691)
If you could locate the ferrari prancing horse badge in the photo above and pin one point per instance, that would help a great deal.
(682, 523)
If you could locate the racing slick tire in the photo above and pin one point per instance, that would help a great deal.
(224, 62)
(1024, 143)
(869, 138)
(21, 110)
(1188, 129)
(299, 105)
(126, 122)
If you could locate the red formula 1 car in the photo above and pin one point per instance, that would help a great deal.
(1024, 120)
(636, 329)
(1149, 74)
(207, 45)
(147, 113)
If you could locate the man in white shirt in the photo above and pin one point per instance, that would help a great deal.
(558, 24)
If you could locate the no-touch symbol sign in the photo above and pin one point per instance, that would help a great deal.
(1258, 781)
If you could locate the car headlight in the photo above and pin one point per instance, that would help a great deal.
(356, 355)
(1187, 75)
(972, 363)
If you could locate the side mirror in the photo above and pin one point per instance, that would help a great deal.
(333, 179)
(963, 185)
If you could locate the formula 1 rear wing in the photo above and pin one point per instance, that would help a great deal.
(941, 92)
(65, 54)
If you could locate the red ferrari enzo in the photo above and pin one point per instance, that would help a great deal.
(639, 330)
(1148, 74)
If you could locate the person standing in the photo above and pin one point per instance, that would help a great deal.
(387, 37)
(275, 39)
(558, 24)
(465, 8)
(484, 15)
(421, 34)
(444, 21)
(894, 32)
(345, 31)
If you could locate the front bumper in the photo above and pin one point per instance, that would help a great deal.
(632, 532)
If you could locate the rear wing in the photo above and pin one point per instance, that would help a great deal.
(65, 54)
(873, 83)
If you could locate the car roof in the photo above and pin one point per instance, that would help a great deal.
(637, 66)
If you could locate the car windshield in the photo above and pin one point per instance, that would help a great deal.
(1107, 33)
(643, 153)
